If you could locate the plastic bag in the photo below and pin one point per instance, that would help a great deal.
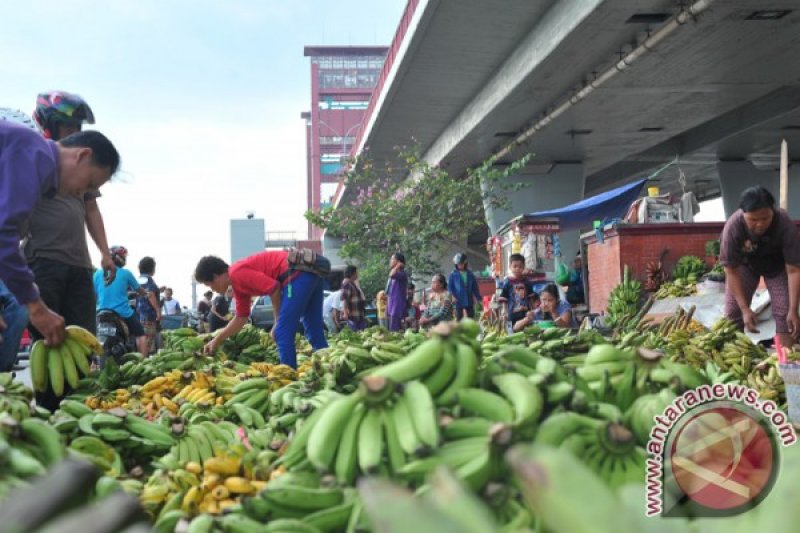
(562, 274)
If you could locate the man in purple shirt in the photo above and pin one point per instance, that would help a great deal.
(397, 288)
(31, 168)
(760, 240)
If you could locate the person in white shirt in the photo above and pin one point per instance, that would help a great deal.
(331, 309)
(170, 305)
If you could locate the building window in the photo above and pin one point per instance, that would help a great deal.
(330, 169)
(332, 157)
(337, 140)
(348, 79)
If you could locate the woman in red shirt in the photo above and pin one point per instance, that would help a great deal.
(295, 296)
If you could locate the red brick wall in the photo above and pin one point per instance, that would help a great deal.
(635, 246)
(605, 271)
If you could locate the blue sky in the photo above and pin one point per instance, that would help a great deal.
(201, 98)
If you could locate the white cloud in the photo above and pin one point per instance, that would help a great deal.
(185, 180)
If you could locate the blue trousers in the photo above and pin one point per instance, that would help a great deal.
(301, 300)
(16, 319)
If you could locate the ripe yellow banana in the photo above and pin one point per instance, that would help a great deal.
(86, 338)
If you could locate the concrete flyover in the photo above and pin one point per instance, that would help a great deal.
(719, 90)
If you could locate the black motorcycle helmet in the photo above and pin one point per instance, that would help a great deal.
(460, 258)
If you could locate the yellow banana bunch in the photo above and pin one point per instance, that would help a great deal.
(109, 400)
(210, 487)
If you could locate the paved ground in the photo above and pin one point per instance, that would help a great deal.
(22, 371)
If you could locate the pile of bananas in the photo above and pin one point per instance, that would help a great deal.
(551, 342)
(111, 439)
(639, 416)
(195, 442)
(609, 448)
(767, 381)
(302, 499)
(64, 363)
(28, 447)
(182, 340)
(677, 288)
(390, 423)
(282, 374)
(352, 353)
(183, 490)
(249, 337)
(15, 398)
(623, 302)
(105, 399)
(689, 268)
(176, 390)
(730, 349)
(227, 444)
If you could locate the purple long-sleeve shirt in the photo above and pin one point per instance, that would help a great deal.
(398, 299)
(28, 171)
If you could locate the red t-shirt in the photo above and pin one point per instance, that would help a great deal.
(256, 275)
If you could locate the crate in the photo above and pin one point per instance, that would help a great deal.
(174, 321)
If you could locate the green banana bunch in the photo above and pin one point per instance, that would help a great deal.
(640, 416)
(623, 302)
(15, 398)
(564, 493)
(62, 364)
(296, 496)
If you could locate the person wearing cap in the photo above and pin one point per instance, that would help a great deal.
(55, 243)
(463, 287)
(33, 168)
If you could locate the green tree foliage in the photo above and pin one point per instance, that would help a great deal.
(412, 207)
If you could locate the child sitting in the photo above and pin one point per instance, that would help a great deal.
(517, 295)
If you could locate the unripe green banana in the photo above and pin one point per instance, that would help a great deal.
(303, 498)
(466, 373)
(370, 441)
(46, 439)
(423, 413)
(55, 369)
(346, 463)
(327, 431)
(525, 397)
(416, 364)
(486, 404)
(38, 363)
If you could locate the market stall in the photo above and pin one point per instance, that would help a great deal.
(538, 235)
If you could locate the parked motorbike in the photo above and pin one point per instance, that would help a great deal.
(113, 334)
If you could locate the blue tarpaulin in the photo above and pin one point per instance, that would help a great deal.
(610, 204)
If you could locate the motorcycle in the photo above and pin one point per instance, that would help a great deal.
(113, 334)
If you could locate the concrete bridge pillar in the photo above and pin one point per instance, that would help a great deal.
(736, 176)
(562, 185)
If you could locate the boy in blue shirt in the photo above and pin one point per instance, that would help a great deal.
(517, 295)
(114, 296)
